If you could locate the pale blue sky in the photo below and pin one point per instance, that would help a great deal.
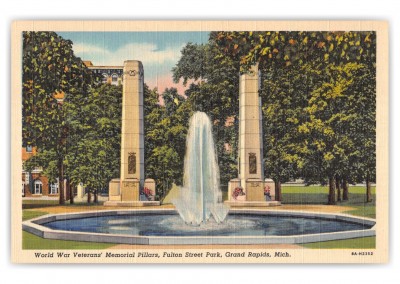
(158, 51)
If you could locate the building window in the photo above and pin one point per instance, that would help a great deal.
(38, 187)
(29, 149)
(54, 188)
(27, 180)
(114, 78)
(105, 78)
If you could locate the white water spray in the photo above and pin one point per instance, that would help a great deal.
(200, 197)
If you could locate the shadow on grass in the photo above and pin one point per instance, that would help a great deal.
(35, 206)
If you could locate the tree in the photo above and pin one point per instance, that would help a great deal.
(93, 156)
(335, 66)
(363, 128)
(286, 48)
(50, 69)
(165, 133)
(284, 94)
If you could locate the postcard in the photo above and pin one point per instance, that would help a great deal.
(200, 142)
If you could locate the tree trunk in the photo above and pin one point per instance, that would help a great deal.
(95, 200)
(369, 193)
(71, 193)
(345, 187)
(89, 197)
(278, 191)
(339, 197)
(331, 195)
(61, 181)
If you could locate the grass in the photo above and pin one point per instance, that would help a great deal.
(319, 195)
(32, 204)
(30, 241)
(363, 211)
(358, 243)
(322, 189)
(39, 201)
(27, 214)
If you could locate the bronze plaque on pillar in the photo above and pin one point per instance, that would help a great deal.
(252, 163)
(131, 163)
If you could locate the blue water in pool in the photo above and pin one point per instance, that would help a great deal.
(233, 225)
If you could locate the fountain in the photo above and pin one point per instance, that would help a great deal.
(200, 197)
(196, 202)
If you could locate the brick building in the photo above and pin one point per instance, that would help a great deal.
(106, 74)
(34, 184)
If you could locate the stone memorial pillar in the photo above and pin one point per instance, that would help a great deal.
(251, 171)
(250, 141)
(132, 141)
(126, 191)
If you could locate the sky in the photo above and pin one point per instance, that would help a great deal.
(158, 51)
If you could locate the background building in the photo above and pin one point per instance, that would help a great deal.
(106, 74)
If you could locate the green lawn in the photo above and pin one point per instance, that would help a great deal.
(31, 204)
(319, 195)
(27, 214)
(30, 241)
(358, 243)
(363, 211)
(322, 189)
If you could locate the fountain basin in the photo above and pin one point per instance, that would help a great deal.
(165, 227)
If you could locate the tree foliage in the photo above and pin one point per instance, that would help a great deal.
(93, 156)
(286, 48)
(318, 102)
(165, 134)
(50, 70)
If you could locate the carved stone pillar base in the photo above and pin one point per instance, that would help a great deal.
(130, 190)
(114, 193)
(255, 190)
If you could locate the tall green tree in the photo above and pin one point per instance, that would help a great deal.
(362, 128)
(334, 65)
(49, 68)
(296, 47)
(284, 94)
(327, 133)
(93, 156)
(165, 133)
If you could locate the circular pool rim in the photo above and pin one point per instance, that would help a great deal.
(35, 226)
